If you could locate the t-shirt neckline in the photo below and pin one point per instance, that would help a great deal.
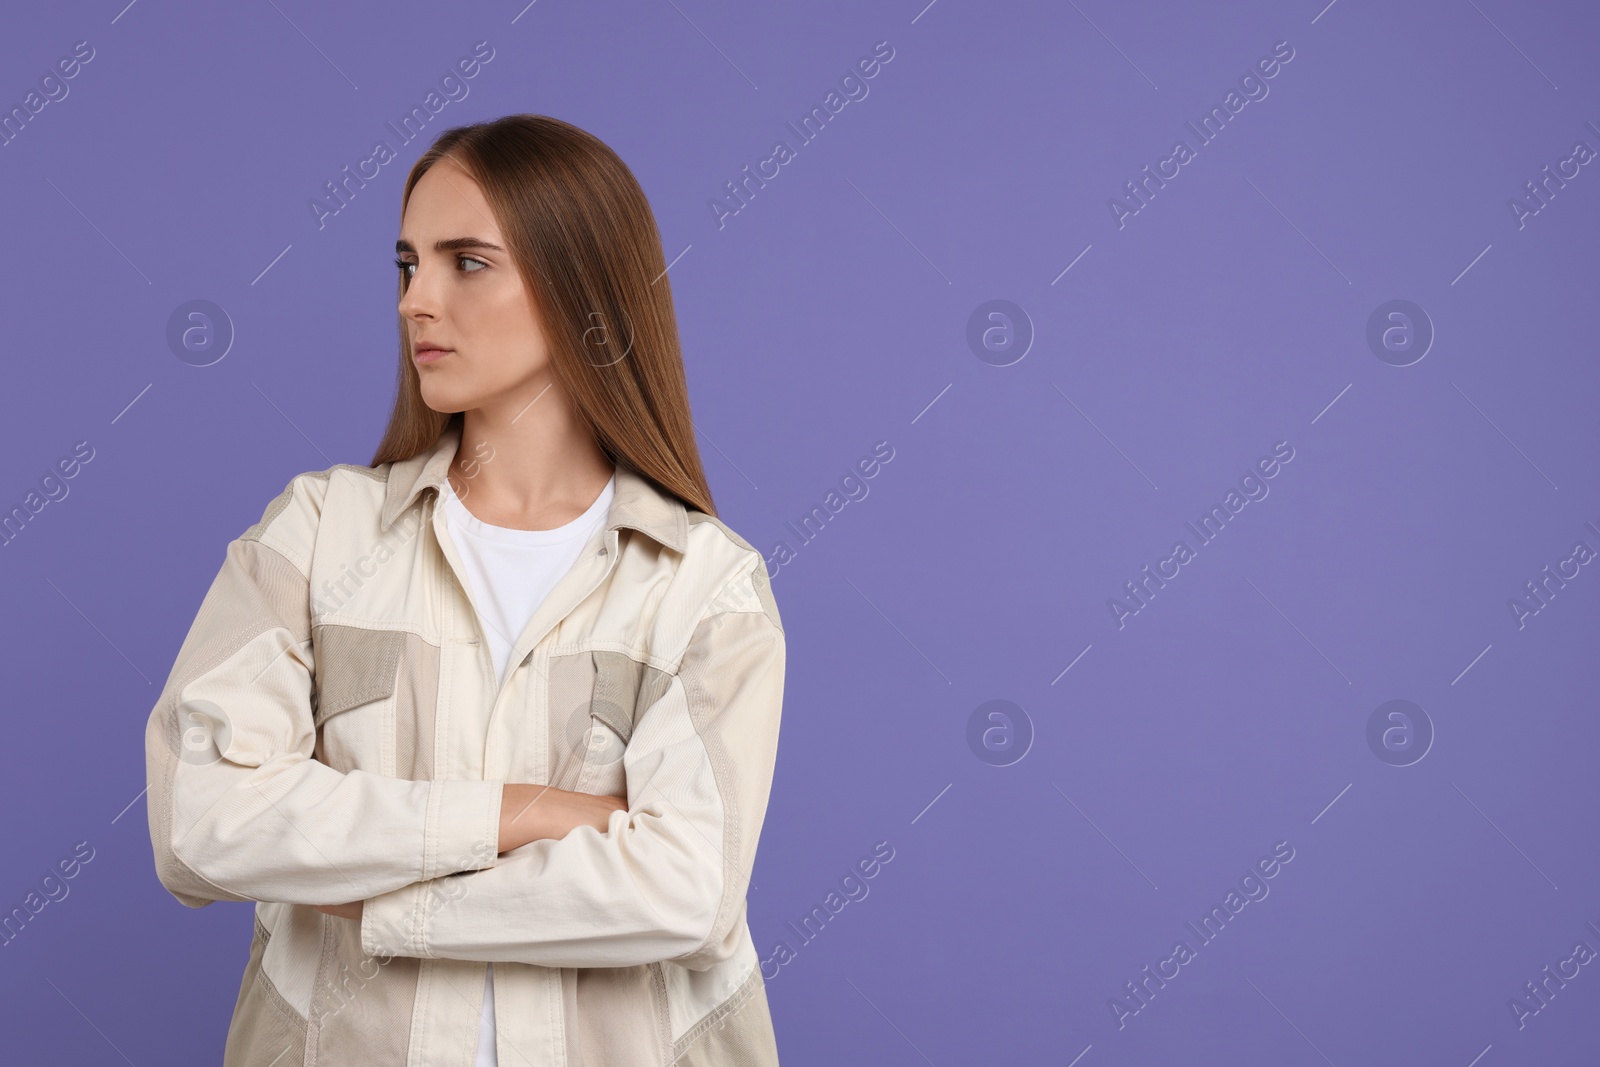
(578, 527)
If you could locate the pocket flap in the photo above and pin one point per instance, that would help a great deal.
(623, 689)
(616, 691)
(355, 666)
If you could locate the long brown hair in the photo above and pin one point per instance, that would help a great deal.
(581, 233)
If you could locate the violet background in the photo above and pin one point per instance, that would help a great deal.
(832, 313)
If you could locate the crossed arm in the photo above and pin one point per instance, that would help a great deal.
(241, 810)
(530, 813)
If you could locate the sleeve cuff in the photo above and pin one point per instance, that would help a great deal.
(463, 834)
(392, 923)
(463, 831)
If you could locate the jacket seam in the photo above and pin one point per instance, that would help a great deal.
(735, 1000)
(730, 831)
(695, 517)
(325, 975)
(303, 568)
(660, 663)
(230, 649)
(756, 562)
(280, 503)
(269, 989)
(660, 995)
(731, 839)
(371, 472)
(366, 622)
(420, 916)
(278, 1004)
(275, 507)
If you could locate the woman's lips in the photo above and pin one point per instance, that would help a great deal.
(432, 355)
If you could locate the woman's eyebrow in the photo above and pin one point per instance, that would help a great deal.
(454, 244)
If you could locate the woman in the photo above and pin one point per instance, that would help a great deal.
(487, 728)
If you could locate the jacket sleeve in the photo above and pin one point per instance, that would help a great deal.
(239, 808)
(667, 879)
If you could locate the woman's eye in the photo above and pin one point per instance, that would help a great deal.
(404, 267)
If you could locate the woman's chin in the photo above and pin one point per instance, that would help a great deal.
(447, 401)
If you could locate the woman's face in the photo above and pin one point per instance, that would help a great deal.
(467, 298)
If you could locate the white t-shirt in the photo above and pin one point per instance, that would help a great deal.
(511, 572)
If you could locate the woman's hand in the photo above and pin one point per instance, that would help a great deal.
(533, 812)
(530, 813)
(343, 911)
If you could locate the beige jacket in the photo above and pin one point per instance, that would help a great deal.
(333, 731)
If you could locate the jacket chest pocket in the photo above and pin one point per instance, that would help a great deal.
(357, 674)
(596, 697)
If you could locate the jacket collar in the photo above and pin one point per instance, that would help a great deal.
(636, 504)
